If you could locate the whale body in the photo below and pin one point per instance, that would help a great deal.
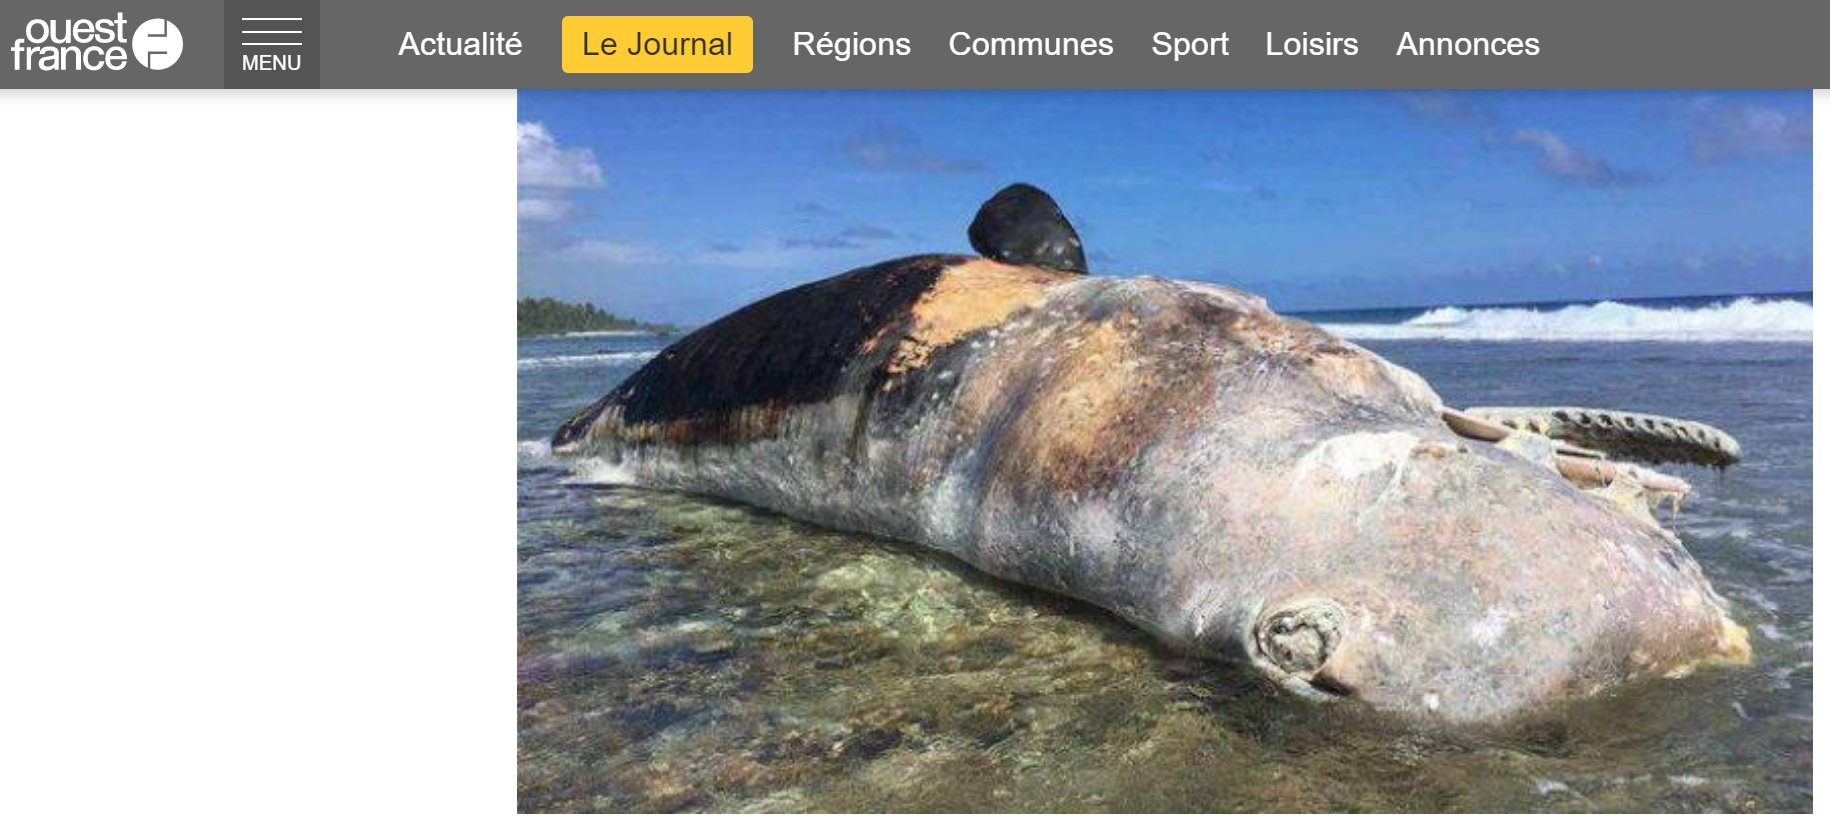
(1243, 485)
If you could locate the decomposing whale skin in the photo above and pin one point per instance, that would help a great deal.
(1243, 485)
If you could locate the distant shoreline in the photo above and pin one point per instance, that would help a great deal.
(587, 334)
(541, 317)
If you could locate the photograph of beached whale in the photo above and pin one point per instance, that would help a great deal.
(1164, 451)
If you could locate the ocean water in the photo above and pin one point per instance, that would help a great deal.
(680, 653)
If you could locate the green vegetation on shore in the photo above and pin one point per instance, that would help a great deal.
(547, 317)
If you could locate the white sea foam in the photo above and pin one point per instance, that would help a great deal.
(1743, 319)
(531, 454)
(584, 359)
(599, 471)
(534, 453)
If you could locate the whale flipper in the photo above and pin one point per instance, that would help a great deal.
(1023, 225)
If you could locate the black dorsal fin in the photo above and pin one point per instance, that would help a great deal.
(1023, 225)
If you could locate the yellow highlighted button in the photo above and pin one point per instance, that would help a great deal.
(665, 45)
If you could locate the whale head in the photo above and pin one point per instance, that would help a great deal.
(1433, 577)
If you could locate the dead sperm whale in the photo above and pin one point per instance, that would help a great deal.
(1244, 485)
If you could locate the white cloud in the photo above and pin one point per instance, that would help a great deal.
(1560, 160)
(540, 208)
(757, 257)
(764, 255)
(898, 150)
(541, 162)
(545, 171)
(1722, 133)
(1446, 107)
(595, 251)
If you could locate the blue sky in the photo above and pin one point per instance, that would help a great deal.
(684, 205)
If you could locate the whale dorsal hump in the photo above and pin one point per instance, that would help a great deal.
(1022, 225)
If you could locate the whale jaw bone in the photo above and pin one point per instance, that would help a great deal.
(1623, 434)
(1586, 468)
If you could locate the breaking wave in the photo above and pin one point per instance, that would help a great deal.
(584, 359)
(1743, 319)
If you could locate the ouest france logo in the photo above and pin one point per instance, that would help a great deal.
(97, 45)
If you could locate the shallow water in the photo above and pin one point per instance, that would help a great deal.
(679, 653)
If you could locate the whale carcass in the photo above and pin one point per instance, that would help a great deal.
(1244, 485)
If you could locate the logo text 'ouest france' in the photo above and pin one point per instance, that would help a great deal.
(97, 45)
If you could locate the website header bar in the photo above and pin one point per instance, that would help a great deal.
(959, 44)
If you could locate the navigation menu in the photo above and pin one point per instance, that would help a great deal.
(1137, 44)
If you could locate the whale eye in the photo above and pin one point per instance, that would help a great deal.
(1298, 638)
